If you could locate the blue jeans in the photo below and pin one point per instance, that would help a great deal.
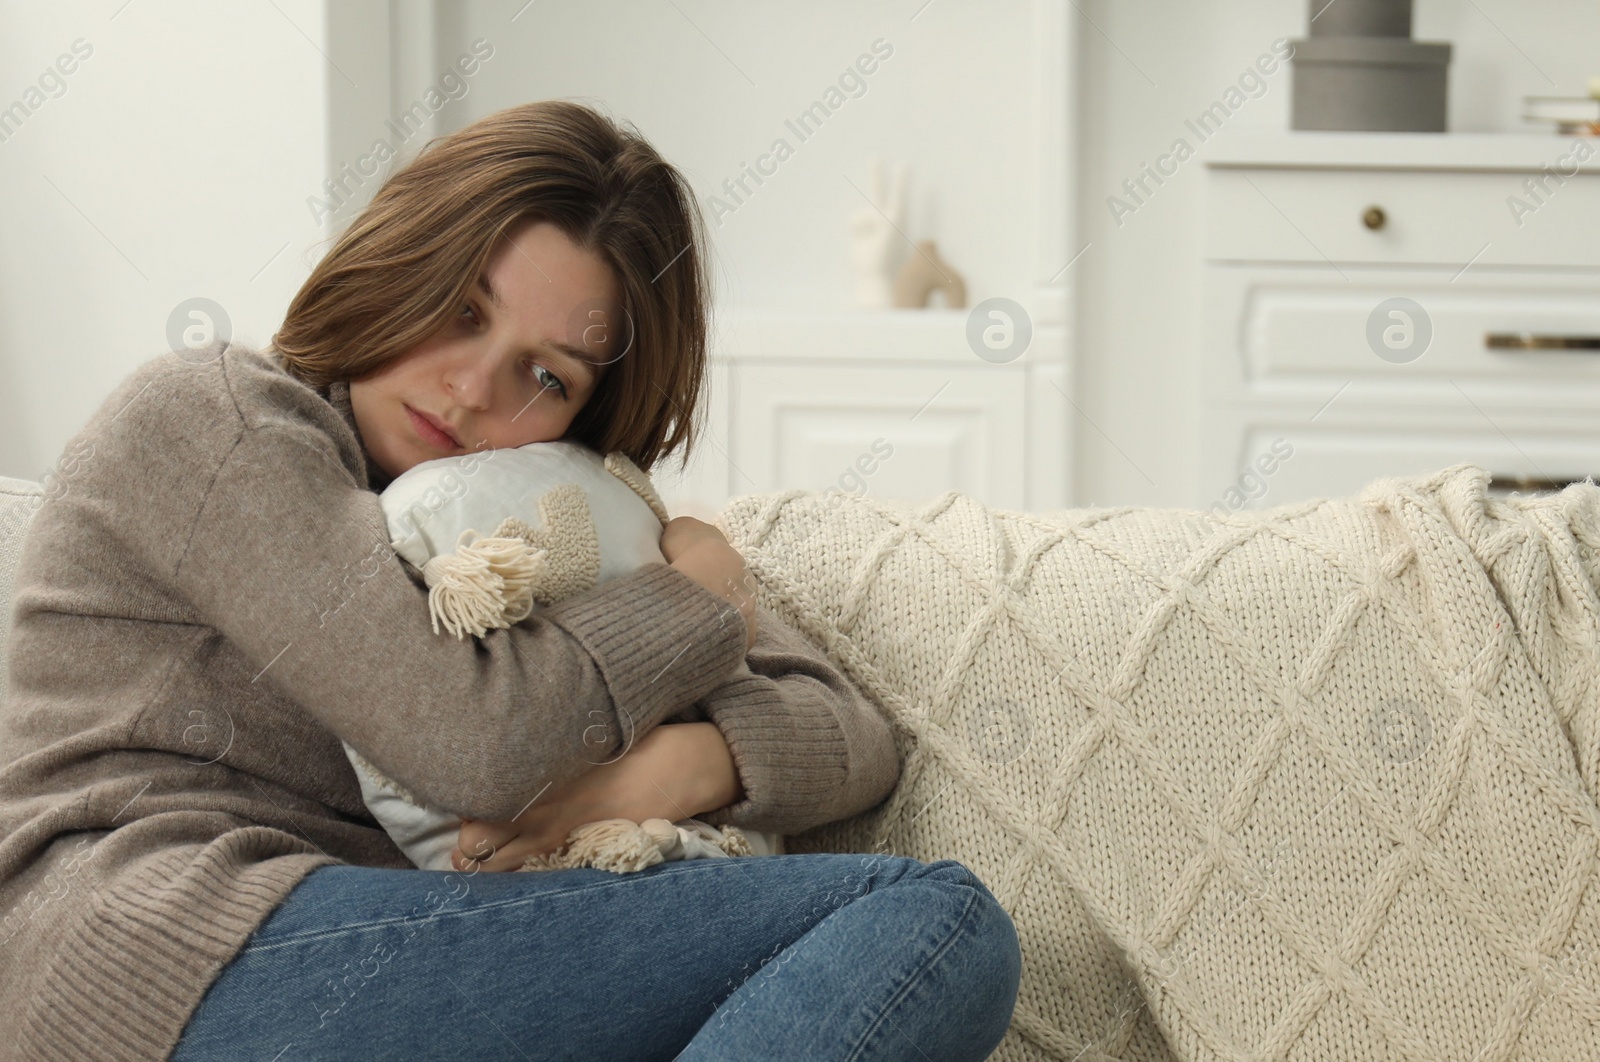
(812, 956)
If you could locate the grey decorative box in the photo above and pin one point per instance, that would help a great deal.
(1361, 18)
(1380, 84)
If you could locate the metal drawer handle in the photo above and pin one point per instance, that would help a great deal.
(1529, 341)
(1529, 483)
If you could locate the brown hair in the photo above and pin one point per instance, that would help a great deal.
(397, 275)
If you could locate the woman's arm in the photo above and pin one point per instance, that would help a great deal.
(808, 747)
(790, 744)
(677, 771)
(690, 770)
(701, 552)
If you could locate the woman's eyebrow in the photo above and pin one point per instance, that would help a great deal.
(488, 289)
(591, 362)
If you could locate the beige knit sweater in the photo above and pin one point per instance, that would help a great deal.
(205, 605)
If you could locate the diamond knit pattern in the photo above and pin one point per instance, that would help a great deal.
(1312, 783)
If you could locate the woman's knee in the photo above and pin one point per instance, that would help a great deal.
(974, 946)
(992, 924)
(987, 927)
(956, 876)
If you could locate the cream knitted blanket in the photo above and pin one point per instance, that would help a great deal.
(1313, 783)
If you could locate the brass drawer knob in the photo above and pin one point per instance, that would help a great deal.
(1374, 218)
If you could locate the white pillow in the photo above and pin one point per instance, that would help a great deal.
(430, 505)
(496, 535)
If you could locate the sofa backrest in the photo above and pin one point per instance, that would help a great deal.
(19, 500)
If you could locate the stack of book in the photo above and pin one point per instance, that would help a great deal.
(1570, 115)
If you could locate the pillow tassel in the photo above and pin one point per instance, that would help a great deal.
(618, 845)
(624, 847)
(486, 583)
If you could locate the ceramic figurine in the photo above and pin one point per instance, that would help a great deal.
(875, 236)
(924, 273)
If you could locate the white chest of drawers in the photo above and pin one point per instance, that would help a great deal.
(1493, 243)
(886, 403)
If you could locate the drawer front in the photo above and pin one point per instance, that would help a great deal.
(1534, 337)
(1258, 460)
(1438, 218)
(905, 433)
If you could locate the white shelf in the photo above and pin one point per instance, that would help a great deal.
(1272, 148)
(927, 336)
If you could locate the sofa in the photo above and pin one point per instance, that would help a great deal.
(1316, 782)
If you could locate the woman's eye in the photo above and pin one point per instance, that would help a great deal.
(467, 309)
(549, 380)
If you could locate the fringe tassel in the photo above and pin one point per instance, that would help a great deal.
(623, 846)
(486, 583)
(617, 845)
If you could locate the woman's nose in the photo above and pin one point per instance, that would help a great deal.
(471, 381)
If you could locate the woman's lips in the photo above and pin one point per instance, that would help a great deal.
(430, 434)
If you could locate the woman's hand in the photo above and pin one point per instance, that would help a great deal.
(676, 771)
(703, 553)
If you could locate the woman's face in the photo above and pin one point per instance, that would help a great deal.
(518, 362)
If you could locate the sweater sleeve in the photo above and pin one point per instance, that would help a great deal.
(289, 558)
(808, 746)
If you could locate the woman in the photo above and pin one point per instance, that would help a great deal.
(207, 605)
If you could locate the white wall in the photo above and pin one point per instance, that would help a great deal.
(711, 85)
(175, 164)
(1144, 70)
